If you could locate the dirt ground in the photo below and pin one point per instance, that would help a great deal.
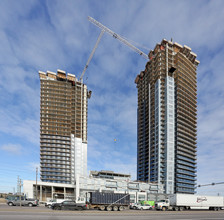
(2, 200)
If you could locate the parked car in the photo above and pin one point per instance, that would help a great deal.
(143, 207)
(53, 201)
(133, 205)
(24, 202)
(69, 205)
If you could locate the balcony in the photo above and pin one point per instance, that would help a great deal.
(180, 171)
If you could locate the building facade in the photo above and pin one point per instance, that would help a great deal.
(120, 183)
(63, 127)
(167, 118)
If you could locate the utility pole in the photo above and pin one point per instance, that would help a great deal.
(19, 191)
(36, 181)
(20, 184)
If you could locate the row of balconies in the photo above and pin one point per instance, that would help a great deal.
(55, 147)
(185, 126)
(55, 92)
(55, 129)
(55, 108)
(56, 115)
(56, 170)
(187, 117)
(179, 140)
(183, 88)
(55, 95)
(186, 168)
(186, 158)
(183, 134)
(180, 180)
(56, 84)
(59, 143)
(45, 102)
(56, 88)
(188, 65)
(52, 157)
(56, 162)
(58, 151)
(185, 185)
(47, 125)
(183, 176)
(63, 133)
(183, 104)
(62, 178)
(186, 163)
(186, 113)
(53, 153)
(184, 150)
(61, 107)
(182, 79)
(193, 157)
(54, 124)
(185, 190)
(59, 87)
(58, 120)
(186, 129)
(188, 69)
(51, 101)
(184, 93)
(50, 165)
(186, 105)
(181, 118)
(53, 173)
(187, 147)
(55, 137)
(55, 99)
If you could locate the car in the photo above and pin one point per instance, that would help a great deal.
(23, 202)
(133, 205)
(143, 207)
(52, 201)
(69, 205)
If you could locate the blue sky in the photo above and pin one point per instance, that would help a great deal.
(50, 35)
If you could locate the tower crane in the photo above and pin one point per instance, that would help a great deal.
(113, 34)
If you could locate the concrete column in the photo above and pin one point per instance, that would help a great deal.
(52, 192)
(77, 188)
(64, 192)
(41, 193)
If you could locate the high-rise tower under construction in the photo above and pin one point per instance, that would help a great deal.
(63, 127)
(167, 118)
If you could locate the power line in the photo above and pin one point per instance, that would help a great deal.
(211, 184)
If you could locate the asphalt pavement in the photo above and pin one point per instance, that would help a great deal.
(42, 213)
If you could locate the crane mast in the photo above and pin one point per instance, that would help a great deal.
(91, 55)
(113, 34)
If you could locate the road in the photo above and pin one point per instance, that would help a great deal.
(42, 213)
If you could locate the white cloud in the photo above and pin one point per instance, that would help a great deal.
(14, 149)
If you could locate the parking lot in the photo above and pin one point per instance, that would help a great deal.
(41, 213)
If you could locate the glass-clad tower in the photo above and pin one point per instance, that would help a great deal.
(167, 118)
